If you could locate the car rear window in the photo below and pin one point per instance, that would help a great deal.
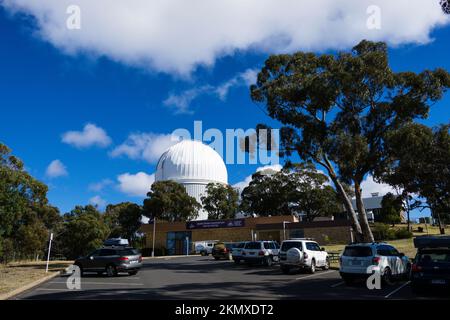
(240, 245)
(129, 252)
(357, 251)
(434, 256)
(292, 244)
(253, 245)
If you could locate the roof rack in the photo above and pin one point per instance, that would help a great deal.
(301, 239)
(432, 242)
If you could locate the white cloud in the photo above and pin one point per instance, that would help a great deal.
(98, 202)
(369, 186)
(100, 186)
(178, 35)
(241, 185)
(56, 169)
(181, 101)
(136, 185)
(145, 146)
(90, 136)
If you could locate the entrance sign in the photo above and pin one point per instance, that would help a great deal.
(215, 224)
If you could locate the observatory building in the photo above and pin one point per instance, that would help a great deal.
(194, 165)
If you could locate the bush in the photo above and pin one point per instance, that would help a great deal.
(382, 231)
(420, 229)
(403, 233)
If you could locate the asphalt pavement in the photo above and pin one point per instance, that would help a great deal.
(203, 278)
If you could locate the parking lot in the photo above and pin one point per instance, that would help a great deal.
(203, 278)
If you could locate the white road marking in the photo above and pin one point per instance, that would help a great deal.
(337, 284)
(315, 275)
(105, 283)
(398, 289)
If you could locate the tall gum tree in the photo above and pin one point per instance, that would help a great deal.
(337, 109)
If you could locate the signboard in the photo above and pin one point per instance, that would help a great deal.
(215, 224)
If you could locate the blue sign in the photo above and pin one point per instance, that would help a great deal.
(214, 224)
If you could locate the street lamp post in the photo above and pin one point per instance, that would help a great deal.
(154, 235)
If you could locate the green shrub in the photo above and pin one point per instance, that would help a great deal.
(403, 233)
(382, 232)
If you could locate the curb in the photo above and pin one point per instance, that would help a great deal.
(29, 286)
(171, 257)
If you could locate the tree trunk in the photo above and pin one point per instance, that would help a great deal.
(367, 233)
(441, 227)
(348, 207)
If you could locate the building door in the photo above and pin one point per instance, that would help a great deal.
(179, 243)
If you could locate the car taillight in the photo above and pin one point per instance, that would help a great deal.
(261, 253)
(416, 268)
(225, 250)
(376, 261)
(123, 259)
(305, 255)
(140, 259)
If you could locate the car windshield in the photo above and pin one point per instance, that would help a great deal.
(434, 256)
(357, 251)
(240, 245)
(291, 244)
(253, 245)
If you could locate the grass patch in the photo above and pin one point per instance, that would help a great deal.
(19, 274)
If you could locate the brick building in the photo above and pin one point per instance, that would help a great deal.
(172, 238)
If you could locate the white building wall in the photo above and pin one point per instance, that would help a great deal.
(196, 191)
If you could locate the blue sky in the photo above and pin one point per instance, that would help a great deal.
(47, 89)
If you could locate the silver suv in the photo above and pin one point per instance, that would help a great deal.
(302, 254)
(263, 252)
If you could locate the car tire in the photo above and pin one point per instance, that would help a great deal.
(312, 269)
(99, 273)
(327, 264)
(237, 261)
(111, 270)
(285, 270)
(387, 276)
(268, 262)
(217, 258)
(133, 273)
(203, 253)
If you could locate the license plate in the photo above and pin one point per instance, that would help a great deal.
(252, 253)
(134, 261)
(438, 281)
(356, 263)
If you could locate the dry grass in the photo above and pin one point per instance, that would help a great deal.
(16, 275)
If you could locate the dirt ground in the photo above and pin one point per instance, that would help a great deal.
(16, 275)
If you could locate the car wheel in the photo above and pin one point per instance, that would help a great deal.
(203, 253)
(285, 269)
(327, 264)
(387, 276)
(111, 271)
(268, 262)
(237, 261)
(99, 273)
(217, 258)
(312, 269)
(133, 273)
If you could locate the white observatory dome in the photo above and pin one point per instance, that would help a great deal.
(194, 165)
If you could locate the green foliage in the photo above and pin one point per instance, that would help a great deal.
(419, 163)
(391, 208)
(84, 231)
(123, 220)
(383, 232)
(220, 201)
(298, 189)
(403, 233)
(338, 109)
(169, 201)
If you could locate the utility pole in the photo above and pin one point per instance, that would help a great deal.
(49, 249)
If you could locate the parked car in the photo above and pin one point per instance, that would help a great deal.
(237, 252)
(262, 252)
(111, 260)
(357, 258)
(204, 247)
(431, 266)
(302, 254)
(223, 250)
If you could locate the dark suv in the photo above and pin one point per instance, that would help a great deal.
(431, 266)
(112, 261)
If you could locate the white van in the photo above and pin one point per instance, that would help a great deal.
(204, 247)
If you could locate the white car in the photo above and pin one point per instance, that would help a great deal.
(303, 254)
(357, 258)
(263, 252)
(204, 247)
